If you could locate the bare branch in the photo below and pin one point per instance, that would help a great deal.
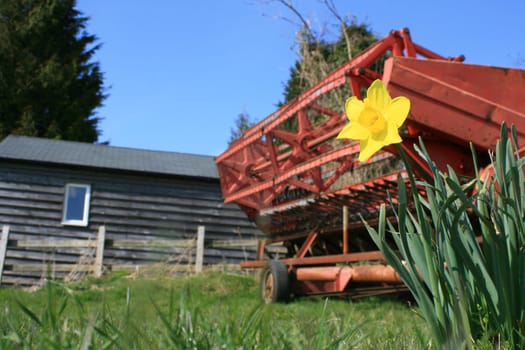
(305, 24)
(331, 7)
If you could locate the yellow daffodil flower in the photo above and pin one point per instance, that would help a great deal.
(375, 120)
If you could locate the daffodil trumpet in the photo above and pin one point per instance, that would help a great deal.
(375, 120)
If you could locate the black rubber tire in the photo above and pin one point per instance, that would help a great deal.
(275, 285)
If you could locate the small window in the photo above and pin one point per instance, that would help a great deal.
(76, 204)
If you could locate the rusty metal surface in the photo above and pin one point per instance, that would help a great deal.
(337, 279)
(288, 180)
(454, 103)
(294, 184)
(321, 260)
(258, 169)
(359, 273)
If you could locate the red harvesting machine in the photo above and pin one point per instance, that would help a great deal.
(307, 191)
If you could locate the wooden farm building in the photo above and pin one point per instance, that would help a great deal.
(57, 198)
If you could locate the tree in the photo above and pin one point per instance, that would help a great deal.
(318, 57)
(49, 86)
(242, 123)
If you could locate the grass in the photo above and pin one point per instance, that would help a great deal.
(470, 294)
(207, 311)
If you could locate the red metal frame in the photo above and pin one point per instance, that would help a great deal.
(268, 159)
(295, 183)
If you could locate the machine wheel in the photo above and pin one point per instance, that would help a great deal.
(274, 283)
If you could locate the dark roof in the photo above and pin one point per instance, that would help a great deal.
(107, 157)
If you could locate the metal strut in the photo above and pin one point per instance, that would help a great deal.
(294, 183)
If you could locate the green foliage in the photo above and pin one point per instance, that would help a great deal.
(318, 57)
(210, 311)
(242, 124)
(468, 293)
(49, 87)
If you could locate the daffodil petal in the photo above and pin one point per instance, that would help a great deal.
(392, 135)
(353, 108)
(375, 120)
(378, 96)
(368, 147)
(398, 110)
(355, 131)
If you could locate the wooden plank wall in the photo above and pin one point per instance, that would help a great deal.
(139, 213)
(91, 262)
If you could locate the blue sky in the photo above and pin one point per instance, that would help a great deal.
(178, 73)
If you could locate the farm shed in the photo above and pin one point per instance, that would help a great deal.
(58, 199)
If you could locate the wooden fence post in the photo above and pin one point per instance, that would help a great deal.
(199, 255)
(99, 257)
(345, 229)
(3, 248)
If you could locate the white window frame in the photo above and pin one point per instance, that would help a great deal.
(87, 200)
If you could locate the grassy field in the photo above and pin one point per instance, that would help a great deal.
(208, 311)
